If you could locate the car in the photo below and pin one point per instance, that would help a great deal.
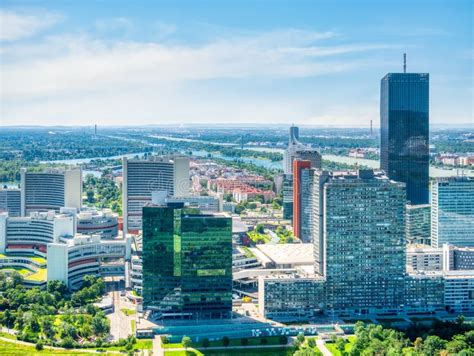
(122, 293)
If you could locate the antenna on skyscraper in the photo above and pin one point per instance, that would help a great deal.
(404, 62)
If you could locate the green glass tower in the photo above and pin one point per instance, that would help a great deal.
(187, 263)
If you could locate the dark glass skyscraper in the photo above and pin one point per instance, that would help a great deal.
(187, 263)
(404, 126)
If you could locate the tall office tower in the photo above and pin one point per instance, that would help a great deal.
(143, 177)
(187, 263)
(287, 196)
(362, 233)
(50, 190)
(418, 224)
(404, 128)
(452, 212)
(10, 201)
(302, 199)
(296, 149)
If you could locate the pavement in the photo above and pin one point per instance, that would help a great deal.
(120, 324)
(322, 347)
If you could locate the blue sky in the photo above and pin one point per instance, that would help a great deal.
(172, 62)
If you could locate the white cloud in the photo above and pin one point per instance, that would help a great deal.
(17, 25)
(84, 64)
(84, 80)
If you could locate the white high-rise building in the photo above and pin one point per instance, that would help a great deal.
(10, 201)
(452, 212)
(296, 149)
(143, 177)
(50, 190)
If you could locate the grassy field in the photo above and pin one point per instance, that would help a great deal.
(20, 270)
(333, 348)
(40, 260)
(224, 352)
(271, 340)
(9, 348)
(38, 276)
(141, 344)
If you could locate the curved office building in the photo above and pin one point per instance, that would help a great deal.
(103, 223)
(50, 190)
(31, 234)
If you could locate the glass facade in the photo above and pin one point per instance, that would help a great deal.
(288, 196)
(187, 263)
(404, 129)
(452, 216)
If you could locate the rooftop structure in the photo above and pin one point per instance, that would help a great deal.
(288, 255)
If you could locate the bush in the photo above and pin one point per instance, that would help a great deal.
(205, 342)
(67, 342)
(244, 342)
(283, 340)
(225, 341)
(39, 346)
(165, 340)
(263, 341)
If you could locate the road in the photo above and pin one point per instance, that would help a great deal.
(119, 322)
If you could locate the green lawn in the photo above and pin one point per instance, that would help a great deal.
(271, 340)
(20, 270)
(333, 348)
(9, 348)
(40, 260)
(230, 352)
(133, 325)
(38, 276)
(256, 237)
(128, 312)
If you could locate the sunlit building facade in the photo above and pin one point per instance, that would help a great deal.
(187, 263)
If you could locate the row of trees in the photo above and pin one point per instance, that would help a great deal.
(54, 316)
(375, 340)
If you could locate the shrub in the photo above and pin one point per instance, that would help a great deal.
(225, 341)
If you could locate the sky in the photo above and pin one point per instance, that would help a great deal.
(265, 62)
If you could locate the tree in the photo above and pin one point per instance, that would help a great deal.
(90, 196)
(187, 342)
(260, 228)
(57, 287)
(433, 344)
(16, 279)
(300, 337)
(307, 352)
(39, 346)
(418, 343)
(165, 340)
(311, 343)
(100, 325)
(341, 344)
(225, 341)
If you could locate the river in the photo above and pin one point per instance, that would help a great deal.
(434, 171)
